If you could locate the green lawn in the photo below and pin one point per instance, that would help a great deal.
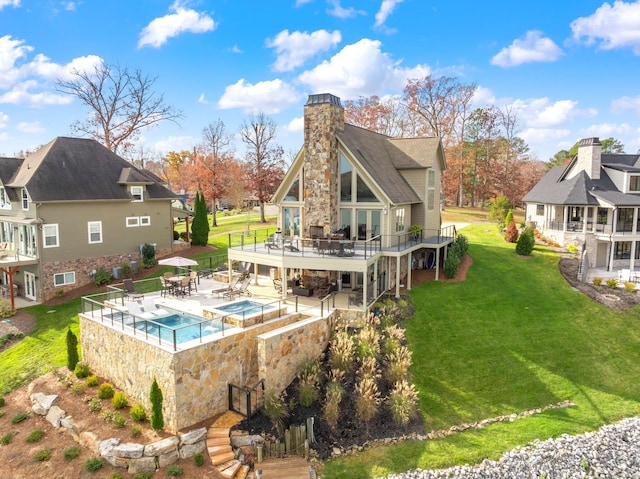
(512, 337)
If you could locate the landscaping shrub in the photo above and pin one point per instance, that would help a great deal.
(43, 455)
(275, 408)
(101, 277)
(35, 436)
(398, 364)
(18, 418)
(143, 475)
(174, 470)
(176, 235)
(368, 342)
(341, 351)
(93, 464)
(368, 399)
(451, 265)
(369, 368)
(509, 218)
(526, 242)
(7, 438)
(629, 286)
(148, 255)
(138, 413)
(512, 232)
(393, 337)
(136, 430)
(105, 391)
(71, 452)
(95, 405)
(119, 400)
(119, 421)
(91, 381)
(402, 402)
(198, 459)
(498, 210)
(333, 397)
(72, 350)
(155, 396)
(2, 401)
(6, 311)
(78, 388)
(612, 283)
(597, 281)
(81, 370)
(116, 475)
(309, 378)
(125, 270)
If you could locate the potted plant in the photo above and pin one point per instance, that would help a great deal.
(414, 232)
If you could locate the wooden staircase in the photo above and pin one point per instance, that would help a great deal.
(222, 456)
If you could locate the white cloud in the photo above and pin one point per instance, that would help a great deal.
(235, 49)
(386, 9)
(612, 26)
(340, 12)
(202, 99)
(543, 137)
(22, 94)
(295, 48)
(183, 20)
(9, 3)
(4, 119)
(606, 130)
(299, 3)
(30, 127)
(266, 96)
(360, 69)
(43, 67)
(296, 125)
(532, 48)
(175, 143)
(625, 103)
(10, 52)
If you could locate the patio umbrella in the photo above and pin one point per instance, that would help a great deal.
(178, 262)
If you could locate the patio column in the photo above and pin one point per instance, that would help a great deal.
(397, 277)
(410, 270)
(565, 215)
(283, 278)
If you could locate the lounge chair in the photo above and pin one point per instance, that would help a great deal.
(150, 306)
(238, 289)
(129, 290)
(221, 291)
(134, 309)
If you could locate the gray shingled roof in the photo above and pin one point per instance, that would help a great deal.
(382, 157)
(79, 169)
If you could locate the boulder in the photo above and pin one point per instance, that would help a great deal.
(41, 403)
(165, 460)
(130, 450)
(55, 416)
(142, 464)
(194, 436)
(246, 440)
(190, 450)
(90, 439)
(106, 447)
(163, 446)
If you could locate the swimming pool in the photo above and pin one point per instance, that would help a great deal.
(187, 327)
(245, 312)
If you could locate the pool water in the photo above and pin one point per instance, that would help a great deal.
(246, 307)
(187, 327)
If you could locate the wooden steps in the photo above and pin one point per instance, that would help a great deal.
(221, 452)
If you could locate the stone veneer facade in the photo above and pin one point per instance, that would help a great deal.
(194, 382)
(323, 118)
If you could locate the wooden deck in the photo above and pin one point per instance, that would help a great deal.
(284, 468)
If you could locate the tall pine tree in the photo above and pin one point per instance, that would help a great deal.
(200, 226)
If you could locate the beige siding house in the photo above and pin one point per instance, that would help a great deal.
(346, 205)
(71, 208)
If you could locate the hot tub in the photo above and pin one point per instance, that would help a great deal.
(244, 312)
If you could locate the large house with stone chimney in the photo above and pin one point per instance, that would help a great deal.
(592, 203)
(72, 208)
(357, 210)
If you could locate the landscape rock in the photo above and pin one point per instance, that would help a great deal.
(55, 416)
(90, 439)
(105, 447)
(190, 450)
(246, 440)
(41, 403)
(194, 436)
(165, 460)
(162, 447)
(143, 464)
(130, 450)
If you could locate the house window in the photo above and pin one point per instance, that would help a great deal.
(346, 171)
(133, 221)
(625, 220)
(25, 199)
(431, 190)
(540, 210)
(145, 220)
(4, 199)
(622, 250)
(95, 231)
(294, 192)
(365, 195)
(62, 279)
(136, 192)
(602, 216)
(50, 236)
(634, 183)
(399, 220)
(637, 254)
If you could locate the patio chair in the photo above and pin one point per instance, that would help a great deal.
(355, 299)
(134, 309)
(150, 306)
(193, 279)
(277, 285)
(238, 290)
(183, 288)
(129, 290)
(221, 291)
(166, 287)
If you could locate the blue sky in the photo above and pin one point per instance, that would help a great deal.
(571, 67)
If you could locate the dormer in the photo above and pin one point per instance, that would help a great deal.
(136, 183)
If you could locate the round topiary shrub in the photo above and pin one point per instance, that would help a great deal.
(82, 370)
(119, 400)
(105, 391)
(138, 413)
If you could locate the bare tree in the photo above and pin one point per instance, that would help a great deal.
(264, 158)
(122, 103)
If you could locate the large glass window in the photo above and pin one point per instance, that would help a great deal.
(345, 222)
(625, 220)
(4, 199)
(25, 199)
(291, 221)
(634, 183)
(294, 192)
(346, 171)
(50, 235)
(365, 195)
(602, 215)
(622, 250)
(431, 190)
(399, 220)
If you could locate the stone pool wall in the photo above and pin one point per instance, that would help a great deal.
(193, 382)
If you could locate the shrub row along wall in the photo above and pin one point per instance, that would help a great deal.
(193, 382)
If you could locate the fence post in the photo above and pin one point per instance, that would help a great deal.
(259, 447)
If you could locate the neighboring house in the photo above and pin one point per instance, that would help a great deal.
(73, 207)
(365, 186)
(592, 203)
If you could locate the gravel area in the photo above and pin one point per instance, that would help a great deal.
(611, 452)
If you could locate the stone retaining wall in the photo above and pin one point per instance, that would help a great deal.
(282, 351)
(194, 382)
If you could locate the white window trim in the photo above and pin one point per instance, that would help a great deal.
(132, 221)
(134, 193)
(64, 277)
(145, 220)
(94, 223)
(5, 204)
(24, 199)
(44, 236)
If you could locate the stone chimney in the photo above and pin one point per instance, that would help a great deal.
(323, 119)
(589, 152)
